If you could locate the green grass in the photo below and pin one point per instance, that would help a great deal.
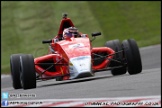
(140, 20)
(24, 24)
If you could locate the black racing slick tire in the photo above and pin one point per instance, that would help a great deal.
(132, 55)
(27, 71)
(15, 72)
(116, 46)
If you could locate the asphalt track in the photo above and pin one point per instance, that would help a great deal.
(103, 85)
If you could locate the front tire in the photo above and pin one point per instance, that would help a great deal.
(15, 72)
(116, 46)
(27, 72)
(132, 55)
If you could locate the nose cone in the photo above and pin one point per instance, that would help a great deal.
(80, 67)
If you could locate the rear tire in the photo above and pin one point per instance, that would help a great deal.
(15, 72)
(27, 72)
(132, 55)
(116, 46)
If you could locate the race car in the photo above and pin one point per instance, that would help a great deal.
(74, 57)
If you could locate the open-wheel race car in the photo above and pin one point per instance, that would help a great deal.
(74, 57)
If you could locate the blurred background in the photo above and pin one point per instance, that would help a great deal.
(24, 24)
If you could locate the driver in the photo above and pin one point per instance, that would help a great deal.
(70, 32)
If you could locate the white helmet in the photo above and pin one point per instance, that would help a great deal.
(70, 32)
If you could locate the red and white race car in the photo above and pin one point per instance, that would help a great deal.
(74, 57)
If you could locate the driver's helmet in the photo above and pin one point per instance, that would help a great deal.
(69, 32)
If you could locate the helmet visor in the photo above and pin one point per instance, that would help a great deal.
(70, 34)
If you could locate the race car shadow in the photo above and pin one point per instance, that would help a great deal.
(79, 80)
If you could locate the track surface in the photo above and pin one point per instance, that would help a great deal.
(103, 85)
